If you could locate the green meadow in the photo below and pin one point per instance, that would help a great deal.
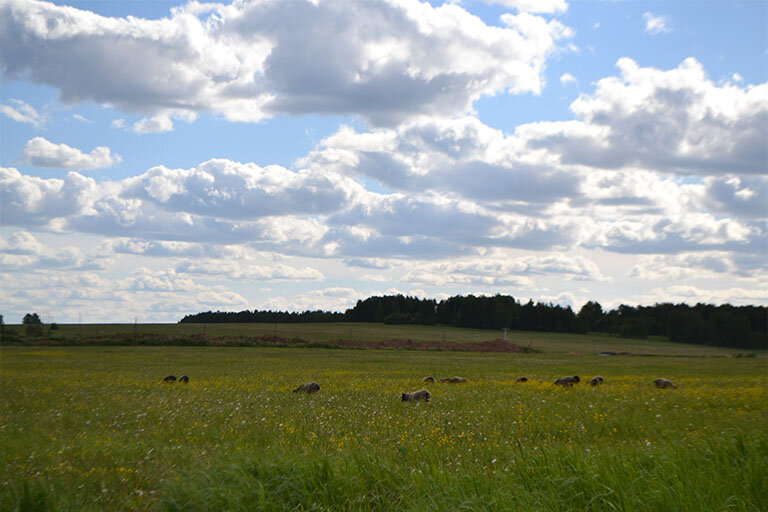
(93, 428)
(327, 332)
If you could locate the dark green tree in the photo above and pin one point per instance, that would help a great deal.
(33, 326)
(592, 314)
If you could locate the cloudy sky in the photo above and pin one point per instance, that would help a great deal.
(164, 158)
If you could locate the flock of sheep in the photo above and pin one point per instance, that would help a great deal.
(423, 394)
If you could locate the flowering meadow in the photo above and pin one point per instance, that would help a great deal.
(94, 428)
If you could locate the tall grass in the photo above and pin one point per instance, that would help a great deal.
(727, 472)
(95, 429)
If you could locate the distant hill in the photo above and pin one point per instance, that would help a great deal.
(725, 325)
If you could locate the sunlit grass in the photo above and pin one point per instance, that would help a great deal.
(94, 428)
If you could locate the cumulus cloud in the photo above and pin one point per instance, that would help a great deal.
(457, 157)
(149, 295)
(170, 249)
(457, 187)
(693, 232)
(156, 124)
(374, 263)
(745, 196)
(22, 113)
(567, 78)
(683, 266)
(505, 272)
(386, 60)
(29, 201)
(656, 24)
(227, 189)
(22, 252)
(40, 152)
(693, 294)
(328, 299)
(675, 121)
(565, 299)
(231, 270)
(541, 6)
(374, 277)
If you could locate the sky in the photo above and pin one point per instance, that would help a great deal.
(165, 158)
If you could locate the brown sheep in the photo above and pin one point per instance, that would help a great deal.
(184, 379)
(522, 379)
(310, 387)
(453, 380)
(567, 381)
(170, 379)
(422, 394)
(596, 381)
(428, 379)
(664, 383)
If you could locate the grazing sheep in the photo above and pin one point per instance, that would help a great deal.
(664, 383)
(454, 380)
(522, 379)
(184, 379)
(428, 379)
(169, 379)
(567, 381)
(596, 381)
(310, 387)
(422, 394)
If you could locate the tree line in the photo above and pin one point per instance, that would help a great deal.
(263, 317)
(725, 325)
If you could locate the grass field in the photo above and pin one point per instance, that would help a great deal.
(325, 332)
(92, 428)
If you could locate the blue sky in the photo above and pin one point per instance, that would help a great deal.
(163, 158)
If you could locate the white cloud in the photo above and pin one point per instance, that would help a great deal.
(226, 189)
(565, 299)
(156, 124)
(42, 153)
(374, 277)
(22, 252)
(23, 113)
(328, 299)
(233, 270)
(504, 272)
(656, 24)
(540, 6)
(82, 119)
(30, 201)
(148, 295)
(693, 294)
(682, 266)
(118, 123)
(567, 78)
(21, 242)
(458, 157)
(675, 121)
(460, 189)
(387, 60)
(745, 196)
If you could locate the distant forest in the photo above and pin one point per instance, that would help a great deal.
(724, 326)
